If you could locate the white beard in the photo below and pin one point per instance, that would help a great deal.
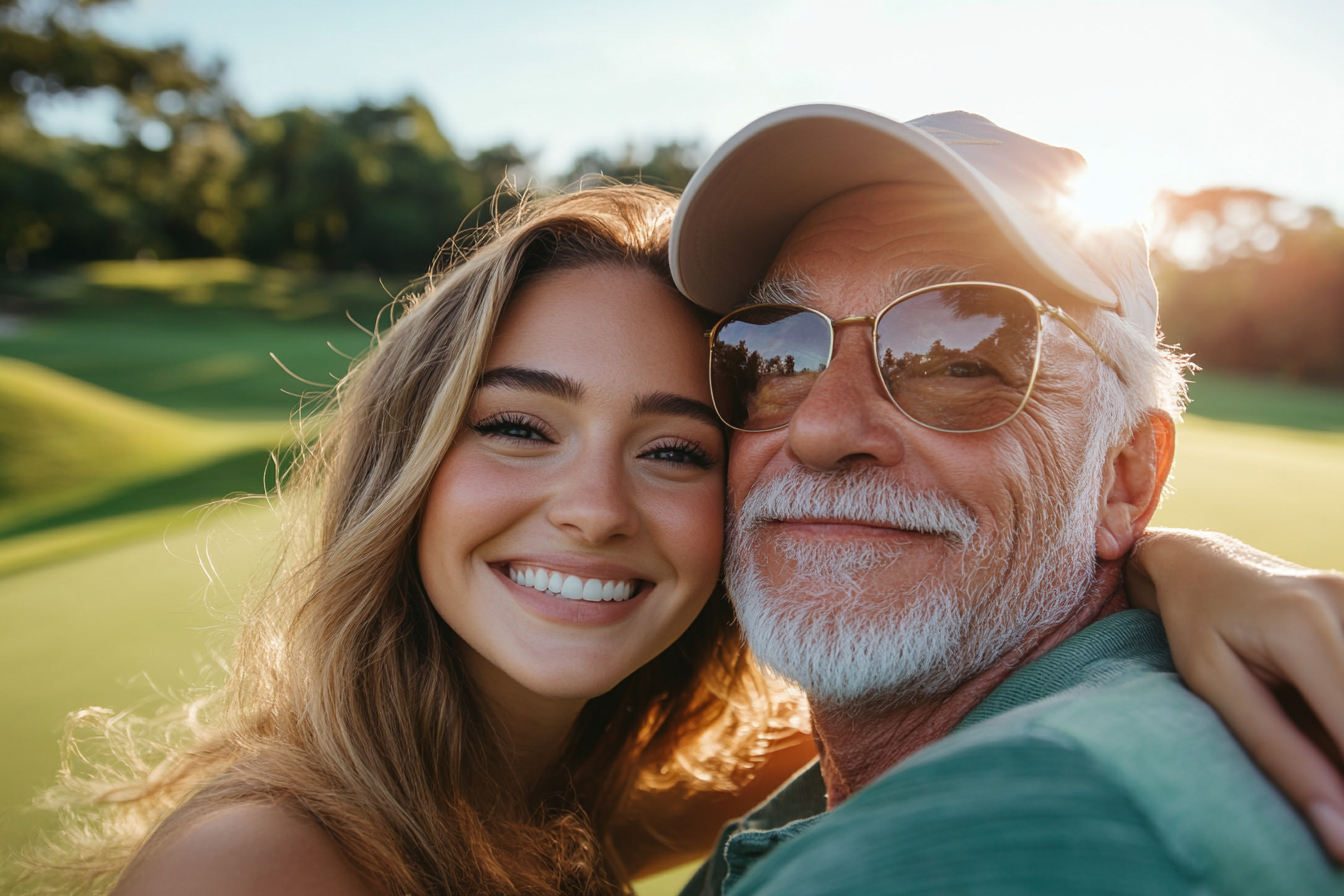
(833, 626)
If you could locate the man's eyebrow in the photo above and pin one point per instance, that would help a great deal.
(793, 289)
(526, 379)
(672, 405)
(783, 289)
(911, 279)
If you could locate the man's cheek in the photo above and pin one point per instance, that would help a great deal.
(748, 456)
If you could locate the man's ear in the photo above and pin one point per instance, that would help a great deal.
(1132, 484)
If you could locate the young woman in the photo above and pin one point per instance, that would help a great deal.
(495, 656)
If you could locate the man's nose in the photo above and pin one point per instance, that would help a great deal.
(847, 418)
(592, 501)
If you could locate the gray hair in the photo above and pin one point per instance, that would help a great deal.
(1154, 372)
(1154, 376)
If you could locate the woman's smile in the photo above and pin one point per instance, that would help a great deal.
(570, 586)
(568, 606)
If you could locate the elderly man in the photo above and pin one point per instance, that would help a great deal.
(953, 420)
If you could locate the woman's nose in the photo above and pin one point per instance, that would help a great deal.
(593, 499)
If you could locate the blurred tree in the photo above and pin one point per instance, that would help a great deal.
(502, 164)
(191, 174)
(1252, 282)
(670, 165)
(49, 47)
(377, 187)
(507, 173)
(165, 190)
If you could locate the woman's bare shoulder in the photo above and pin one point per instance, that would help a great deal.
(253, 848)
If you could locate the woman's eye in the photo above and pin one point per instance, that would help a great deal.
(680, 453)
(510, 428)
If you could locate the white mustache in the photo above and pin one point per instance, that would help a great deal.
(863, 496)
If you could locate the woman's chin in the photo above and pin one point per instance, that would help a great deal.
(564, 682)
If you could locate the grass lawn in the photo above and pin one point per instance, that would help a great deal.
(71, 451)
(1269, 402)
(213, 361)
(106, 629)
(1279, 489)
(194, 335)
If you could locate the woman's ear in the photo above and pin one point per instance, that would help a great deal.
(1132, 484)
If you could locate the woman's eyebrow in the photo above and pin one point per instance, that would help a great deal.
(528, 380)
(670, 404)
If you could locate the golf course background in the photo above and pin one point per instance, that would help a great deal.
(133, 393)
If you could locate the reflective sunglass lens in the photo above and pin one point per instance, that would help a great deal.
(764, 361)
(959, 358)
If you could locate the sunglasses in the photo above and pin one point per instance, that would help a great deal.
(955, 357)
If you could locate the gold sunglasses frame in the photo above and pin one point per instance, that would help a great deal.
(1042, 308)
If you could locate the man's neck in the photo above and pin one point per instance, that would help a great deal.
(858, 746)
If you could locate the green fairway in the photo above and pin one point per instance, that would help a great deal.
(201, 360)
(83, 468)
(1279, 489)
(68, 447)
(106, 630)
(1269, 402)
(196, 335)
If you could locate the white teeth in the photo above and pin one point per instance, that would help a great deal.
(572, 587)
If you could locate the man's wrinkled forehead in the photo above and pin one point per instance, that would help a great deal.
(891, 237)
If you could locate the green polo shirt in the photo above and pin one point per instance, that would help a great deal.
(1090, 770)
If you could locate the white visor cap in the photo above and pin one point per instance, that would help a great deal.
(743, 202)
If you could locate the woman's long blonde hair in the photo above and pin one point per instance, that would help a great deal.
(347, 698)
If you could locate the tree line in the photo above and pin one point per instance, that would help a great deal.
(376, 187)
(1248, 281)
(1251, 282)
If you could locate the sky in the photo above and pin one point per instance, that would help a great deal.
(1157, 94)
